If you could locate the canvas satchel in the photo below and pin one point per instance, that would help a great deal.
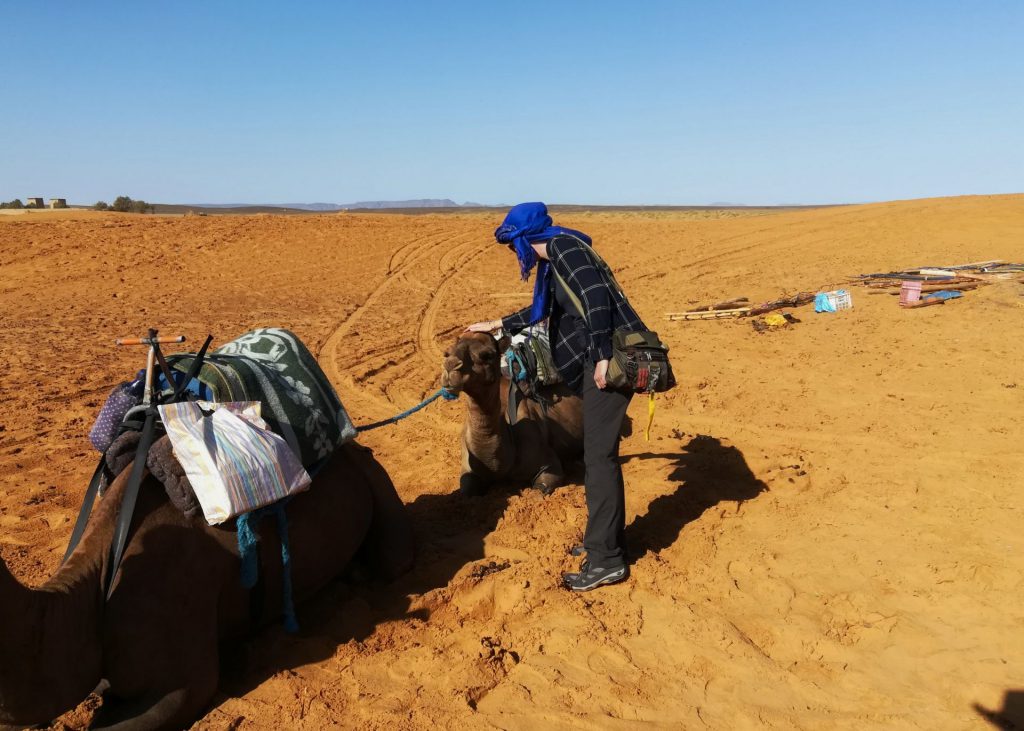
(233, 460)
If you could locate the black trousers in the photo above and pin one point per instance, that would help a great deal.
(603, 412)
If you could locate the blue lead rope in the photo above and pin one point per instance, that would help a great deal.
(441, 393)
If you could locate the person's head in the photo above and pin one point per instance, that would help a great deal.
(524, 224)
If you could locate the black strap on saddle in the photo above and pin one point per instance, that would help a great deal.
(148, 428)
(131, 491)
(131, 494)
(86, 510)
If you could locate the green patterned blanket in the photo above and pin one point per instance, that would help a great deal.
(273, 366)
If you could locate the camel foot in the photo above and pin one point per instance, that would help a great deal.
(547, 482)
(545, 488)
(472, 485)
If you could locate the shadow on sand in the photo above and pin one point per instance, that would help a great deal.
(706, 473)
(450, 531)
(1011, 716)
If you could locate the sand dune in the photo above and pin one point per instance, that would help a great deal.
(826, 523)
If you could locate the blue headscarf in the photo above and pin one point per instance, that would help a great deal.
(526, 224)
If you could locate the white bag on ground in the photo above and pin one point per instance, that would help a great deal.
(234, 462)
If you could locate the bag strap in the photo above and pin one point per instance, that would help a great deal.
(86, 510)
(512, 407)
(602, 265)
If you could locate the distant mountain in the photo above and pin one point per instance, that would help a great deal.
(417, 203)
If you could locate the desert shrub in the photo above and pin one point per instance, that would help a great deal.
(16, 203)
(101, 206)
(124, 204)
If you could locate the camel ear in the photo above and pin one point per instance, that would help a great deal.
(503, 343)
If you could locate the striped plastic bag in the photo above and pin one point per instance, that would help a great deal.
(234, 462)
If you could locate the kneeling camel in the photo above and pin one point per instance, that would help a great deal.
(178, 594)
(530, 451)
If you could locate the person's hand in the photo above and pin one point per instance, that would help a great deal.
(484, 327)
(601, 373)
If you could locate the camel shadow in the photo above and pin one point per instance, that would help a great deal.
(706, 472)
(1011, 716)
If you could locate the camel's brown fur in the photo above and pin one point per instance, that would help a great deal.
(532, 450)
(176, 595)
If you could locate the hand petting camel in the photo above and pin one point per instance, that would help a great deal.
(177, 595)
(531, 450)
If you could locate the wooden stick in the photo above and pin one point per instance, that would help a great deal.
(149, 341)
(727, 305)
(965, 287)
(923, 303)
(707, 314)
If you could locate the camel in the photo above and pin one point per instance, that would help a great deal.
(532, 450)
(177, 594)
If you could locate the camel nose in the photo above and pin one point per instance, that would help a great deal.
(451, 365)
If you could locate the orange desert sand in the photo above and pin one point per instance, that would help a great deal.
(826, 523)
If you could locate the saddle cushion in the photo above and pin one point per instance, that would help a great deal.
(273, 366)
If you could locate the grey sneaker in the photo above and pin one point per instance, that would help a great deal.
(591, 577)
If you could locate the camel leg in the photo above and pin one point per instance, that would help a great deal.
(551, 474)
(177, 709)
(473, 484)
(538, 462)
(181, 683)
(160, 626)
(475, 478)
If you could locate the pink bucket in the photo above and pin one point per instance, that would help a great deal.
(910, 292)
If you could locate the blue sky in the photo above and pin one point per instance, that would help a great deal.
(567, 102)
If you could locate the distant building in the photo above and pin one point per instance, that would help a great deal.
(34, 203)
(58, 203)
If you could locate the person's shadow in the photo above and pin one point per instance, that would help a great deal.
(706, 473)
(1011, 716)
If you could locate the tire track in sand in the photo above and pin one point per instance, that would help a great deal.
(426, 337)
(376, 400)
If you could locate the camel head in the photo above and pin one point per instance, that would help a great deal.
(473, 364)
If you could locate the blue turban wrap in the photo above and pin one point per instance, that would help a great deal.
(526, 224)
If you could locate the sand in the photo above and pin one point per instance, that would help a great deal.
(826, 522)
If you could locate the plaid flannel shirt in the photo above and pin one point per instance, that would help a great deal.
(575, 340)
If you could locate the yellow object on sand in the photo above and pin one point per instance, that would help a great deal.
(775, 320)
(650, 416)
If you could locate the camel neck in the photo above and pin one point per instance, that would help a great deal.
(485, 416)
(14, 597)
(50, 656)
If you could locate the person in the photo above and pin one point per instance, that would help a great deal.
(581, 345)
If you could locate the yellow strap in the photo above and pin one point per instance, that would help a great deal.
(650, 416)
